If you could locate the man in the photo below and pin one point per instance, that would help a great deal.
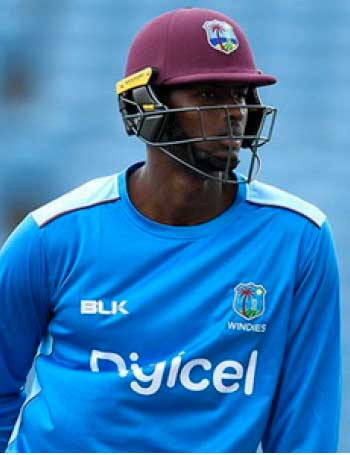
(179, 305)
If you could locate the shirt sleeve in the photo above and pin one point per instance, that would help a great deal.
(305, 412)
(24, 314)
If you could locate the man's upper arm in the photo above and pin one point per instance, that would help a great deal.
(24, 313)
(305, 412)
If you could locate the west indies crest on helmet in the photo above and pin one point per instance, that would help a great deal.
(186, 46)
(221, 36)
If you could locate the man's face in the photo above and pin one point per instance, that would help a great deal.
(208, 155)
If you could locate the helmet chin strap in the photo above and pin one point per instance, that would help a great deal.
(224, 176)
(204, 174)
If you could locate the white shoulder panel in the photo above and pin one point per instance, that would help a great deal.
(98, 191)
(262, 194)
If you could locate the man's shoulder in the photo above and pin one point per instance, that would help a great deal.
(267, 195)
(101, 190)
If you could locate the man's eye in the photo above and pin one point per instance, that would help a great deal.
(208, 95)
(240, 94)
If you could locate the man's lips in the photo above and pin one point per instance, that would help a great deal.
(224, 149)
(234, 143)
(221, 154)
(221, 150)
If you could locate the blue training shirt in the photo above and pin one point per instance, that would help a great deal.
(157, 338)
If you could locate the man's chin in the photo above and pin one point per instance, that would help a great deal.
(216, 163)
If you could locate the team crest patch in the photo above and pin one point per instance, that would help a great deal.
(220, 36)
(249, 300)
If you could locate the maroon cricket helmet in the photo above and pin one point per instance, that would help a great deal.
(192, 45)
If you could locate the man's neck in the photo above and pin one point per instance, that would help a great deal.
(170, 194)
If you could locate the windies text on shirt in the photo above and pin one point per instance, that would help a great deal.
(246, 326)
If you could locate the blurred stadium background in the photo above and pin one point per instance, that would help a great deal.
(59, 123)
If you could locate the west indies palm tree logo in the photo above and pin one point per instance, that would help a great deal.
(220, 36)
(249, 300)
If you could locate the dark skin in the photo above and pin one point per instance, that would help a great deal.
(168, 192)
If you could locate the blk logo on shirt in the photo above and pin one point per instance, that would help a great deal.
(100, 307)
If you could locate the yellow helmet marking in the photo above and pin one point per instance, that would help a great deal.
(148, 107)
(134, 80)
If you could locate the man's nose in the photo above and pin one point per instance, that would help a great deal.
(237, 114)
